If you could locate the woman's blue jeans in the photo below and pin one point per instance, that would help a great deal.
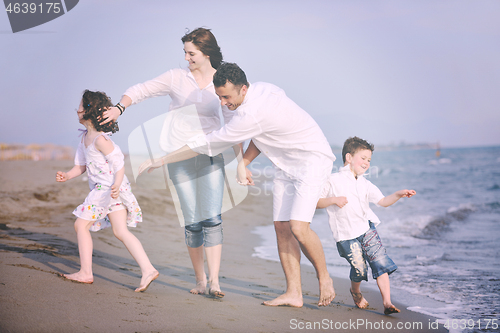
(199, 182)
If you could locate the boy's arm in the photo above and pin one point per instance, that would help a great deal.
(76, 171)
(325, 202)
(391, 199)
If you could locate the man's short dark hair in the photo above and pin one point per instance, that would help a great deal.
(353, 144)
(229, 72)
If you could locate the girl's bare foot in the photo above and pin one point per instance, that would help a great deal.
(200, 289)
(79, 277)
(359, 300)
(146, 280)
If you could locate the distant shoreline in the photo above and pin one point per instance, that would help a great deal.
(50, 151)
(35, 152)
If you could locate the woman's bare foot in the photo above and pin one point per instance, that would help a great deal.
(286, 300)
(79, 277)
(214, 290)
(359, 300)
(200, 289)
(326, 293)
(146, 281)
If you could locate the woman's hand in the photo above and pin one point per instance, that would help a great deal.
(149, 164)
(109, 115)
(244, 175)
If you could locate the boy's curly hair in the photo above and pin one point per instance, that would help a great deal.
(94, 104)
(353, 144)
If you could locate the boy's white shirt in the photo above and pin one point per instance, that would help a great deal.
(350, 221)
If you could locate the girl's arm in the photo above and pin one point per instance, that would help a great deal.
(75, 172)
(391, 199)
(325, 202)
(106, 147)
(115, 188)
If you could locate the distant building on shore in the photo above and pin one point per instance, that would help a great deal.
(35, 152)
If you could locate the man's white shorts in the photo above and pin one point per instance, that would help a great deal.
(295, 196)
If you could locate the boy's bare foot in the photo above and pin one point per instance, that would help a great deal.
(146, 281)
(286, 300)
(200, 289)
(78, 277)
(326, 293)
(391, 309)
(359, 300)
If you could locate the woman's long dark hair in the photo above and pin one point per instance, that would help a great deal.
(205, 41)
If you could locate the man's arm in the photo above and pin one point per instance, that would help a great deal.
(251, 153)
(244, 176)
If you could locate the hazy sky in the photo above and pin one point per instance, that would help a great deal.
(387, 71)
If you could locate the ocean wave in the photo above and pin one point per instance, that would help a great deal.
(442, 223)
(493, 205)
(495, 187)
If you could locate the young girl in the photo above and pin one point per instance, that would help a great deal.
(110, 201)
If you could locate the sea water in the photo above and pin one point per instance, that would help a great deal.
(445, 239)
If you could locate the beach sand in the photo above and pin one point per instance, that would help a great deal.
(37, 241)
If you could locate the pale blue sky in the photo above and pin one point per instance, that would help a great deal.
(387, 71)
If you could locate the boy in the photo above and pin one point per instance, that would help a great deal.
(346, 196)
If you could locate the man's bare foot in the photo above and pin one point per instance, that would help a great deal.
(286, 300)
(326, 293)
(200, 289)
(359, 300)
(146, 281)
(78, 277)
(391, 309)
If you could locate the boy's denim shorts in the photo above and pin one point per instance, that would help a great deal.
(366, 248)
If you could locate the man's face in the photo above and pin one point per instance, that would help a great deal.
(231, 96)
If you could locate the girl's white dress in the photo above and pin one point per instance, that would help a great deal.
(101, 170)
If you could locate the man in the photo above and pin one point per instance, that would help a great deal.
(303, 160)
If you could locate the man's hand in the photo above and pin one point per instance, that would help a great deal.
(244, 175)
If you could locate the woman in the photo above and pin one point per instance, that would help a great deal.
(199, 181)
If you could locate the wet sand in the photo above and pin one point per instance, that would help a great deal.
(38, 241)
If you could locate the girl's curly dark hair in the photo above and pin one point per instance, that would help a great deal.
(94, 104)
